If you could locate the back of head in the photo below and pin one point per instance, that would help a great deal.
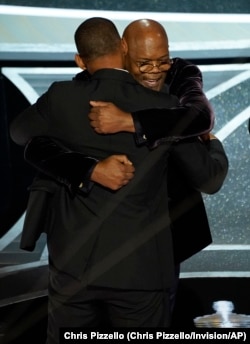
(97, 37)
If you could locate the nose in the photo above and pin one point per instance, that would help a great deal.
(155, 65)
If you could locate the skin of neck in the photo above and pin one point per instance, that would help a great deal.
(107, 61)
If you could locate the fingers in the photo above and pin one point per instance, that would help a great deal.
(126, 169)
(95, 103)
(107, 118)
(123, 159)
(208, 137)
(113, 172)
(95, 117)
(93, 114)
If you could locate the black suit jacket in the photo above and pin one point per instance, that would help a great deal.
(193, 169)
(114, 239)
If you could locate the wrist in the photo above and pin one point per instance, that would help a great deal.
(128, 124)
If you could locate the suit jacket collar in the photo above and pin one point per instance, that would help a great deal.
(112, 73)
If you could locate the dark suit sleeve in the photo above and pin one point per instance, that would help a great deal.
(28, 124)
(33, 130)
(33, 121)
(60, 163)
(193, 117)
(204, 165)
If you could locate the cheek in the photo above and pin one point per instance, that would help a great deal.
(139, 78)
(137, 74)
(134, 71)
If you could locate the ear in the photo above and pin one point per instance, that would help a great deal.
(124, 46)
(79, 61)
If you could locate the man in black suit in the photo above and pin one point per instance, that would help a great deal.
(108, 251)
(148, 43)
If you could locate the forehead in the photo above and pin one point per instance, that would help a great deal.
(149, 47)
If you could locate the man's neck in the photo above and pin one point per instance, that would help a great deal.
(107, 61)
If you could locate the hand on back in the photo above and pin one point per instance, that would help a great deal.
(113, 172)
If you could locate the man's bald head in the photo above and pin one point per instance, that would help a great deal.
(146, 41)
(143, 29)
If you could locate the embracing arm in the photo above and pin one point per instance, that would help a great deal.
(75, 170)
(194, 116)
(55, 160)
(205, 162)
